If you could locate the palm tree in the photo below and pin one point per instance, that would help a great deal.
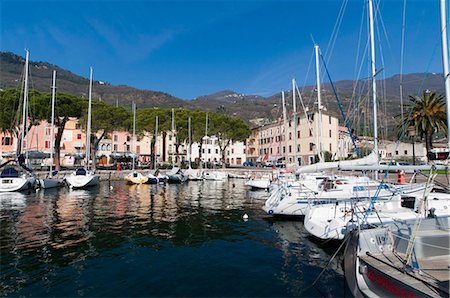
(426, 116)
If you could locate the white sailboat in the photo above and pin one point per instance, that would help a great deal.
(50, 181)
(135, 177)
(19, 177)
(192, 174)
(83, 177)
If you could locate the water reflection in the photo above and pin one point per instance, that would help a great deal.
(75, 242)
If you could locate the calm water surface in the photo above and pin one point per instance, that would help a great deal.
(148, 240)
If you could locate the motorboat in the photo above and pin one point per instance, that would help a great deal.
(136, 178)
(259, 183)
(175, 175)
(157, 177)
(215, 175)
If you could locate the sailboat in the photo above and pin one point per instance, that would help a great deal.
(135, 177)
(404, 259)
(19, 177)
(50, 181)
(175, 175)
(192, 174)
(82, 177)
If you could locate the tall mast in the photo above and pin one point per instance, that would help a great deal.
(319, 104)
(445, 63)
(156, 140)
(206, 140)
(294, 103)
(88, 132)
(189, 149)
(52, 129)
(285, 130)
(173, 137)
(133, 141)
(25, 106)
(374, 84)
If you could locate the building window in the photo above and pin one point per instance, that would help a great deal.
(115, 147)
(290, 149)
(329, 119)
(284, 149)
(298, 148)
(217, 151)
(128, 138)
(406, 152)
(310, 132)
(138, 149)
(311, 146)
(203, 151)
(396, 152)
(298, 134)
(47, 144)
(329, 133)
(78, 126)
(271, 151)
(48, 131)
(232, 151)
(78, 136)
(278, 150)
(244, 150)
(330, 148)
(290, 123)
(7, 141)
(209, 151)
(128, 147)
(115, 138)
(290, 136)
(298, 121)
(228, 152)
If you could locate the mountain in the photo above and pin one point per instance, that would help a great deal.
(11, 71)
(354, 95)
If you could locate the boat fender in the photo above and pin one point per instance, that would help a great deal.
(270, 212)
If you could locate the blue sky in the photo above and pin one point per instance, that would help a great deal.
(193, 48)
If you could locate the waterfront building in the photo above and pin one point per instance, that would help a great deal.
(273, 143)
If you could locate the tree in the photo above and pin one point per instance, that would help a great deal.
(105, 119)
(427, 115)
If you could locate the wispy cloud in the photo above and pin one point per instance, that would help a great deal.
(129, 46)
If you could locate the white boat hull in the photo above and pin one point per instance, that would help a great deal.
(82, 181)
(8, 184)
(215, 175)
(258, 183)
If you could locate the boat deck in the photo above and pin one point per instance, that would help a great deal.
(432, 279)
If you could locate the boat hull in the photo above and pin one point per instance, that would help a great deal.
(82, 181)
(257, 184)
(50, 183)
(8, 184)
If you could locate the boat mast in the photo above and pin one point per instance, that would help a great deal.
(374, 84)
(445, 63)
(133, 145)
(319, 104)
(173, 137)
(189, 149)
(156, 140)
(52, 129)
(206, 140)
(88, 132)
(285, 130)
(25, 107)
(295, 122)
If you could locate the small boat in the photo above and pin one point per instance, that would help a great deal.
(238, 176)
(176, 176)
(400, 259)
(157, 177)
(258, 183)
(51, 181)
(215, 175)
(82, 178)
(12, 180)
(136, 178)
(194, 174)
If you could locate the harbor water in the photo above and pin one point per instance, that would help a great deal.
(184, 240)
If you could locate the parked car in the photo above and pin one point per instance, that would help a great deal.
(248, 164)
